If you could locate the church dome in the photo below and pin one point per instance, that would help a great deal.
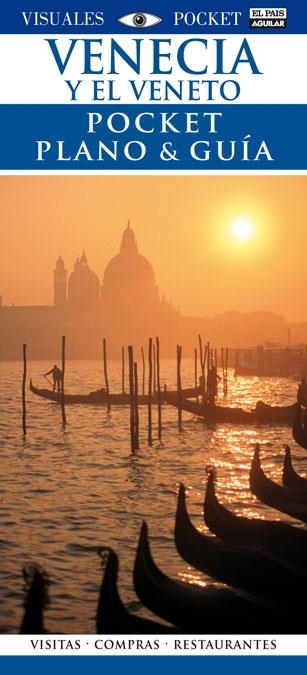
(83, 285)
(128, 270)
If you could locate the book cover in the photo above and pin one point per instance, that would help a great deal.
(153, 334)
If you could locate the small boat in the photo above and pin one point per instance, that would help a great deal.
(249, 568)
(286, 541)
(290, 501)
(289, 476)
(100, 397)
(112, 615)
(283, 414)
(214, 414)
(210, 609)
(262, 414)
(299, 430)
(36, 588)
(270, 360)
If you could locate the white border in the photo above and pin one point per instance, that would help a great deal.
(143, 645)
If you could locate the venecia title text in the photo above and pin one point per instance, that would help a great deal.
(201, 69)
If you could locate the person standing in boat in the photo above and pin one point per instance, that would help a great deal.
(56, 377)
(212, 383)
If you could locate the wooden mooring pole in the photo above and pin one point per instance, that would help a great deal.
(24, 380)
(179, 350)
(149, 400)
(131, 394)
(202, 355)
(202, 359)
(223, 368)
(195, 373)
(143, 371)
(154, 360)
(63, 382)
(226, 372)
(123, 371)
(136, 407)
(224, 353)
(105, 370)
(209, 357)
(159, 389)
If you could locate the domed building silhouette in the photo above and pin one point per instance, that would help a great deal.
(126, 309)
(83, 286)
(82, 291)
(129, 285)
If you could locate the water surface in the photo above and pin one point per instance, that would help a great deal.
(64, 492)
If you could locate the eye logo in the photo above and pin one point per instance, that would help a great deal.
(140, 20)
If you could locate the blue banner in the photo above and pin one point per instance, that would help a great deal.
(156, 137)
(138, 664)
(193, 16)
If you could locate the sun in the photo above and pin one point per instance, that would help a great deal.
(242, 229)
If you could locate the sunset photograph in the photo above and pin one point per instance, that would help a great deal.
(153, 358)
(216, 244)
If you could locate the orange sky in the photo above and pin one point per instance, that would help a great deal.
(182, 226)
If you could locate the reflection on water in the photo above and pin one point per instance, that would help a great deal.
(65, 492)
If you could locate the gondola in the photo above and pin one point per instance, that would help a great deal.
(100, 397)
(262, 414)
(285, 414)
(284, 540)
(289, 476)
(299, 430)
(36, 589)
(204, 610)
(214, 414)
(248, 568)
(112, 616)
(287, 500)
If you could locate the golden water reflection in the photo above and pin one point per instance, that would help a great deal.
(63, 493)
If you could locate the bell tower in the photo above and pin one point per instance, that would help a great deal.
(60, 283)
